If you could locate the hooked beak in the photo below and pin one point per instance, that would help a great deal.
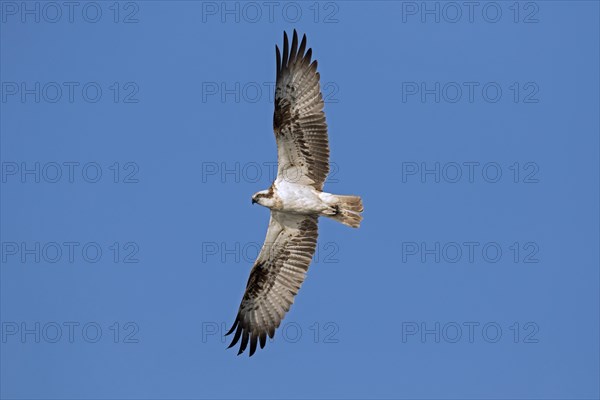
(253, 201)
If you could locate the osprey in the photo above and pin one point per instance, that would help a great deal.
(296, 198)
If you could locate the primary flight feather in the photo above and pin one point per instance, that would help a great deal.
(295, 198)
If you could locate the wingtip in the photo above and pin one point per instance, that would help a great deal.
(236, 337)
(232, 327)
(308, 56)
(253, 343)
(263, 339)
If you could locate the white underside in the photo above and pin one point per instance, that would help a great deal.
(303, 199)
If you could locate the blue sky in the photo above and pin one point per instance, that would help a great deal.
(133, 135)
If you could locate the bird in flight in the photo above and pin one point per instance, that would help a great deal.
(296, 198)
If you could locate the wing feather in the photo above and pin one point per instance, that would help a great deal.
(299, 121)
(275, 278)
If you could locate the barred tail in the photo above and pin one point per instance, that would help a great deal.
(348, 209)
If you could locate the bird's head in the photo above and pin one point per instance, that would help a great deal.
(264, 198)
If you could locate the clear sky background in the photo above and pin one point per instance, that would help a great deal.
(472, 135)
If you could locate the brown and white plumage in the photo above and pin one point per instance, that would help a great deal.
(299, 121)
(295, 198)
(275, 278)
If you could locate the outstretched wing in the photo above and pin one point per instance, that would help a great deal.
(299, 121)
(275, 278)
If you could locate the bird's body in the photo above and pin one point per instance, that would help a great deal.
(296, 199)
